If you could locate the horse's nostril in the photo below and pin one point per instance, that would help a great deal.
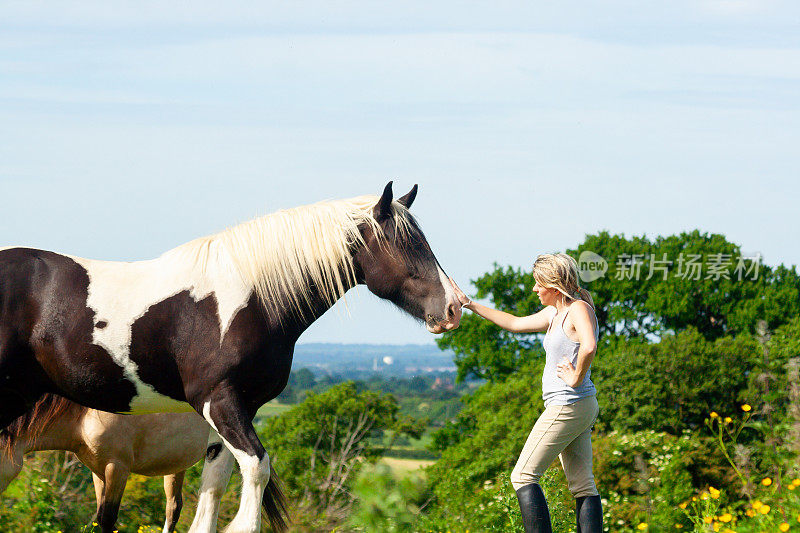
(452, 310)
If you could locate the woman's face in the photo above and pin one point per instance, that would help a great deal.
(547, 295)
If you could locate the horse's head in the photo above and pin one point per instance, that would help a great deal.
(398, 265)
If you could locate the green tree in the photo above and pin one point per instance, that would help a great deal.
(721, 301)
(674, 384)
(318, 447)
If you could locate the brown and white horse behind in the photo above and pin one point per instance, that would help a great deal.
(112, 447)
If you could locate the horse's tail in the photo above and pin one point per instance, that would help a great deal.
(274, 503)
(49, 408)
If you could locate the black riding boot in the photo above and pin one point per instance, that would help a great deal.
(535, 515)
(589, 514)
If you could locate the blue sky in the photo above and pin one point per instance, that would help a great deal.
(129, 128)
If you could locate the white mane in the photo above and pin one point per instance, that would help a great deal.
(280, 255)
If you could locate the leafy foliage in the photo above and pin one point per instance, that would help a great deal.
(319, 446)
(385, 502)
(671, 385)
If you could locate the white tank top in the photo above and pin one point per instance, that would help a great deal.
(555, 390)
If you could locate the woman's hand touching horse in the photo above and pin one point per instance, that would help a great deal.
(463, 299)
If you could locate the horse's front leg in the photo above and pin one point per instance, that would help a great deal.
(216, 474)
(116, 476)
(173, 485)
(233, 423)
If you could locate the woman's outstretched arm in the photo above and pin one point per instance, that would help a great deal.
(515, 324)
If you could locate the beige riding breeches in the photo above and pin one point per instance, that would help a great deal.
(563, 431)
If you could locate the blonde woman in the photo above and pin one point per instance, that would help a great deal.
(564, 427)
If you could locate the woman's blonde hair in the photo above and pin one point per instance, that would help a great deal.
(560, 272)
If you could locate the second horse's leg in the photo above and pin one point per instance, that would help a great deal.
(216, 474)
(116, 476)
(173, 485)
(99, 489)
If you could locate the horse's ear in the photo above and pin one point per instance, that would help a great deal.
(383, 209)
(408, 199)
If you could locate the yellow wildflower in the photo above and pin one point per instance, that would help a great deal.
(796, 481)
(764, 509)
(708, 519)
(784, 526)
(714, 414)
(728, 420)
(746, 408)
(726, 517)
(757, 505)
(750, 512)
(766, 482)
(678, 526)
(683, 505)
(642, 525)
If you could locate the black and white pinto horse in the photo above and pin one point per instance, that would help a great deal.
(210, 325)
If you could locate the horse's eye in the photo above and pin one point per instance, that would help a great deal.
(414, 275)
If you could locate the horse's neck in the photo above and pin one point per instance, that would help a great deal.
(295, 326)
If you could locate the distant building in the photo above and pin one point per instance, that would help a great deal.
(442, 383)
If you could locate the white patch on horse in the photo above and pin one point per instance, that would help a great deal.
(449, 292)
(121, 293)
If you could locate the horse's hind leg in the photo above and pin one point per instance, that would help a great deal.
(216, 474)
(116, 476)
(173, 485)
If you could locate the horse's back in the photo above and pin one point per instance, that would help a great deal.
(151, 445)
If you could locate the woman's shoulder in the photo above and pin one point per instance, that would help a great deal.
(584, 311)
(582, 303)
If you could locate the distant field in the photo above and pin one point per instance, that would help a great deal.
(404, 466)
(273, 408)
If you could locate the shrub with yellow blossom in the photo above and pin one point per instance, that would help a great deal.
(772, 501)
